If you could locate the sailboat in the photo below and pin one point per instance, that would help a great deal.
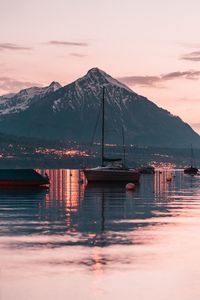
(111, 169)
(192, 170)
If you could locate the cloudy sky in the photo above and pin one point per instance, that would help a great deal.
(151, 45)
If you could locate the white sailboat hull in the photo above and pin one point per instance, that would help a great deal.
(111, 175)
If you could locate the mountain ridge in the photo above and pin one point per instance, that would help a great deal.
(15, 102)
(70, 113)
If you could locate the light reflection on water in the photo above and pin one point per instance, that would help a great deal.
(101, 242)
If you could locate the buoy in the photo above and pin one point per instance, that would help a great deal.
(130, 186)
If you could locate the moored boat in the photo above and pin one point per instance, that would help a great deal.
(111, 174)
(111, 169)
(22, 177)
(192, 170)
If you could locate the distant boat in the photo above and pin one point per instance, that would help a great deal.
(22, 178)
(192, 170)
(111, 169)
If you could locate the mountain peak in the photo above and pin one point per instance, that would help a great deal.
(55, 85)
(99, 75)
(96, 71)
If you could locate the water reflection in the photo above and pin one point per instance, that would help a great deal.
(100, 237)
(75, 214)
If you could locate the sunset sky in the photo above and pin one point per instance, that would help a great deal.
(152, 46)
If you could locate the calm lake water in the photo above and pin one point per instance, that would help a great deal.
(99, 242)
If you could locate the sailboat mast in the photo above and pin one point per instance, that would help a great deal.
(102, 133)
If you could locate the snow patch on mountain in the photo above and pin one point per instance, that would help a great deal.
(56, 105)
(14, 103)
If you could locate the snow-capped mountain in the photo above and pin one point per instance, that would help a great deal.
(14, 103)
(71, 113)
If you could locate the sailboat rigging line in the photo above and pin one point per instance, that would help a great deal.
(191, 156)
(116, 129)
(123, 138)
(103, 158)
(192, 159)
(93, 134)
(124, 149)
(102, 133)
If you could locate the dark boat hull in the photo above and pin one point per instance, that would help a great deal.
(110, 175)
(22, 183)
(22, 178)
(191, 171)
(147, 170)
